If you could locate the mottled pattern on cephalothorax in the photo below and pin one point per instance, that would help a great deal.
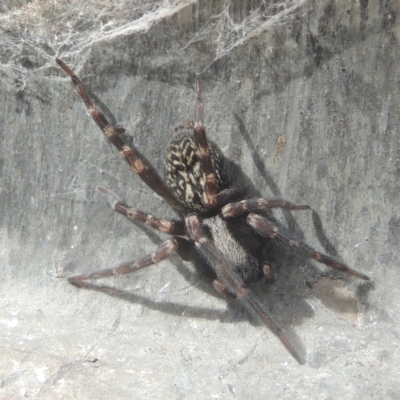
(184, 174)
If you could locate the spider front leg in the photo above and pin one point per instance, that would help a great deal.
(212, 198)
(132, 155)
(265, 228)
(230, 282)
(210, 186)
(169, 247)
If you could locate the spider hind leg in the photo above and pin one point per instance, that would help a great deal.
(265, 228)
(167, 248)
(229, 282)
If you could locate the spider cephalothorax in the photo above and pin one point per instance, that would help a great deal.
(221, 225)
(184, 174)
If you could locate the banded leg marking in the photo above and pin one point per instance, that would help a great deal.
(210, 186)
(263, 227)
(167, 248)
(257, 205)
(172, 227)
(134, 158)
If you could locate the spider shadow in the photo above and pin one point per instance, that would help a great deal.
(234, 311)
(167, 307)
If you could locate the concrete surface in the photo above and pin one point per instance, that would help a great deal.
(310, 110)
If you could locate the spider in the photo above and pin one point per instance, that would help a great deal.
(221, 228)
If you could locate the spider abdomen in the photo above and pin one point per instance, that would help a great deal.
(184, 174)
(241, 255)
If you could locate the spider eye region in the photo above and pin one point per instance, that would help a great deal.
(183, 171)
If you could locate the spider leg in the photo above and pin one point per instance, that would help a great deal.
(172, 227)
(264, 227)
(231, 282)
(257, 205)
(210, 186)
(167, 248)
(212, 198)
(134, 158)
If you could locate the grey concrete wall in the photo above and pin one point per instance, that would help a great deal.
(309, 109)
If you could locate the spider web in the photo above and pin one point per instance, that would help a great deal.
(32, 35)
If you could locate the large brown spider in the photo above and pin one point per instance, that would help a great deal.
(220, 226)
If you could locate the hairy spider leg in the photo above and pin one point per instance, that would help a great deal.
(132, 155)
(212, 198)
(210, 186)
(229, 281)
(172, 227)
(167, 248)
(265, 228)
(257, 205)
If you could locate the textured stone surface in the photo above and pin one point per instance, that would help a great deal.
(308, 109)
